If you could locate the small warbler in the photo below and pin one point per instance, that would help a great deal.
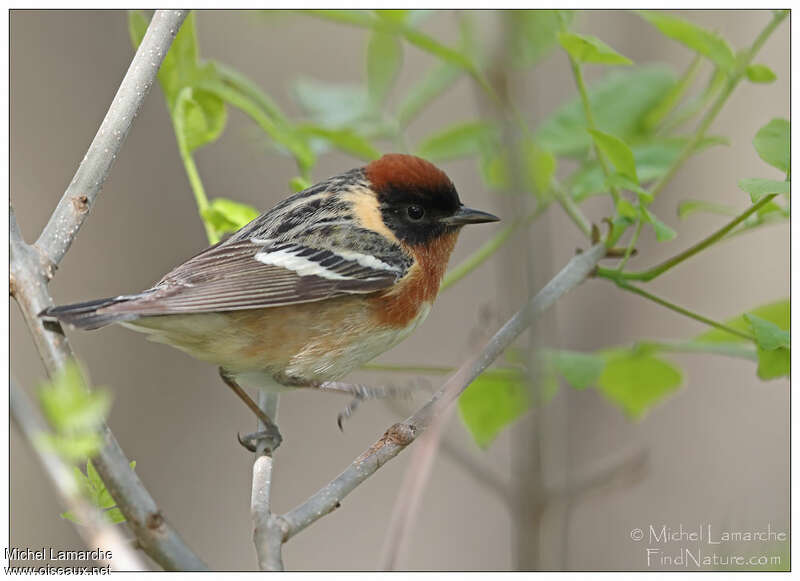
(317, 286)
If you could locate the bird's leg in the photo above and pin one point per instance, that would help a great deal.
(270, 433)
(358, 391)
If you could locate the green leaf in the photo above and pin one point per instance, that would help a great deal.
(760, 74)
(626, 210)
(773, 364)
(772, 144)
(581, 370)
(200, 116)
(492, 402)
(619, 103)
(534, 34)
(617, 151)
(384, 60)
(585, 48)
(69, 405)
(709, 44)
(226, 215)
(687, 207)
(456, 141)
(343, 139)
(768, 335)
(637, 381)
(758, 188)
(777, 313)
(652, 159)
(663, 232)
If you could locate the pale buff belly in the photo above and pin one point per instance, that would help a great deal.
(305, 342)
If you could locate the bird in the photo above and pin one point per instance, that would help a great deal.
(314, 288)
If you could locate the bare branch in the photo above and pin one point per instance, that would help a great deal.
(402, 434)
(31, 267)
(96, 531)
(72, 210)
(267, 528)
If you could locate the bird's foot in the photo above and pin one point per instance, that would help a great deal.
(267, 439)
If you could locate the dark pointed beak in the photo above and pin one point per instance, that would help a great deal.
(466, 215)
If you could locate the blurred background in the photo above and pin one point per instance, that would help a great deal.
(715, 452)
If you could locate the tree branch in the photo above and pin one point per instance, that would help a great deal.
(267, 528)
(96, 530)
(31, 267)
(402, 434)
(72, 210)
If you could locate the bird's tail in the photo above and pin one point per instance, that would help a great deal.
(91, 314)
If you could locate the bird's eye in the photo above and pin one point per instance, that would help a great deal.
(415, 212)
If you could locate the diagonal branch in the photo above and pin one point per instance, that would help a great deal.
(402, 434)
(72, 210)
(31, 267)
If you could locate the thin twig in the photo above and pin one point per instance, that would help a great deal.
(267, 531)
(31, 267)
(96, 531)
(402, 434)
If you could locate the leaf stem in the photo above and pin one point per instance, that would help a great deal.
(681, 310)
(650, 274)
(716, 106)
(191, 172)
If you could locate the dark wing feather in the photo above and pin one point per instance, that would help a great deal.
(230, 276)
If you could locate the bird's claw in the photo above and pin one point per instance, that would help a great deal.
(271, 437)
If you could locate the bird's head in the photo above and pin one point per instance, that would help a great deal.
(417, 200)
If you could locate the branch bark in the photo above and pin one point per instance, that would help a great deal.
(32, 266)
(267, 528)
(96, 531)
(402, 434)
